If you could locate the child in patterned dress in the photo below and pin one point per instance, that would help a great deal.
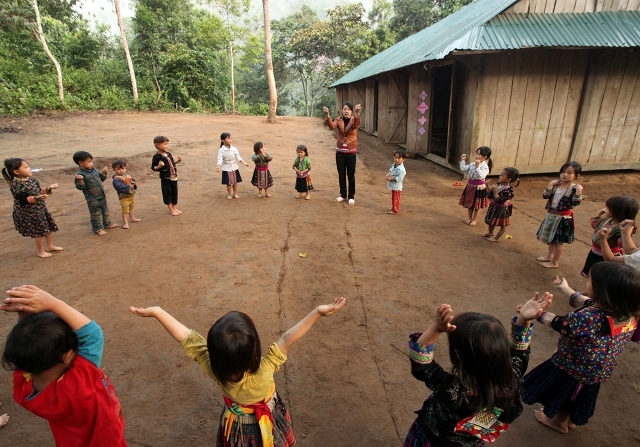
(30, 215)
(261, 175)
(474, 196)
(499, 212)
(228, 159)
(591, 339)
(302, 166)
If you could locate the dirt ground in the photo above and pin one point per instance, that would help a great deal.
(348, 382)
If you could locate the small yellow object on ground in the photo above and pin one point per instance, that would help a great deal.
(508, 236)
(302, 255)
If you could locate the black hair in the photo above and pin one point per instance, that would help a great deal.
(234, 347)
(257, 146)
(577, 167)
(160, 139)
(37, 343)
(401, 152)
(513, 174)
(616, 288)
(223, 137)
(481, 357)
(81, 156)
(622, 207)
(10, 165)
(118, 164)
(303, 148)
(348, 104)
(485, 151)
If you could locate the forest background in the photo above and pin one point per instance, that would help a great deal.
(188, 55)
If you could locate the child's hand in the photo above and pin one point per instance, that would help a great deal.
(29, 299)
(627, 226)
(533, 308)
(41, 196)
(218, 168)
(160, 164)
(179, 159)
(53, 186)
(601, 212)
(328, 309)
(603, 234)
(554, 183)
(145, 311)
(444, 315)
(245, 163)
(105, 169)
(79, 178)
(463, 157)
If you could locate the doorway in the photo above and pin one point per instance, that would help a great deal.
(441, 111)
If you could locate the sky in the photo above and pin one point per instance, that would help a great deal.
(103, 10)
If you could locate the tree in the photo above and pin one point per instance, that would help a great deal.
(412, 16)
(123, 37)
(273, 94)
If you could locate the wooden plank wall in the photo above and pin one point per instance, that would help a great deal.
(367, 116)
(466, 83)
(383, 106)
(558, 6)
(357, 95)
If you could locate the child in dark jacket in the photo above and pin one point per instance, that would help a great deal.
(126, 187)
(165, 165)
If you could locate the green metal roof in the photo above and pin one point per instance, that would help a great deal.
(479, 26)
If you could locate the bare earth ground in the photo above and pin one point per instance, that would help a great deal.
(348, 381)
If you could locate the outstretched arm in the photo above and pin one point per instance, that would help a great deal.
(303, 326)
(177, 330)
(441, 324)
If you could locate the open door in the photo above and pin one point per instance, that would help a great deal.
(442, 110)
(398, 97)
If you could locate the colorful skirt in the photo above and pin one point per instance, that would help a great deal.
(556, 229)
(231, 177)
(245, 431)
(33, 220)
(498, 215)
(416, 437)
(262, 178)
(303, 184)
(474, 197)
(558, 391)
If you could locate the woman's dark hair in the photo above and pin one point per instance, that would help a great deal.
(160, 139)
(257, 146)
(577, 167)
(37, 343)
(481, 358)
(234, 347)
(223, 137)
(81, 156)
(10, 165)
(485, 151)
(513, 174)
(118, 164)
(616, 287)
(303, 148)
(622, 207)
(348, 104)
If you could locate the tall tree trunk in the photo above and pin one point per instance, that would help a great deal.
(273, 93)
(40, 36)
(125, 45)
(233, 84)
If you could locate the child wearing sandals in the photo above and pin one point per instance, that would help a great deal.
(254, 415)
(261, 175)
(474, 196)
(302, 166)
(228, 159)
(499, 212)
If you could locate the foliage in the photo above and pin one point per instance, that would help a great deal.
(412, 16)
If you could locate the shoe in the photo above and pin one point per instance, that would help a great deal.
(339, 199)
(351, 201)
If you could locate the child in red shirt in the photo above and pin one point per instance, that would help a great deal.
(55, 353)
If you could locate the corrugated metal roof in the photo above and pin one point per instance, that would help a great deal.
(474, 31)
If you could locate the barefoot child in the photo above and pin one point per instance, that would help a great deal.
(126, 187)
(499, 212)
(254, 414)
(557, 228)
(302, 166)
(228, 159)
(55, 354)
(474, 196)
(165, 165)
(89, 181)
(395, 177)
(477, 401)
(591, 339)
(30, 215)
(261, 176)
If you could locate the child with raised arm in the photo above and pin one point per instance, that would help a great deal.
(165, 165)
(474, 196)
(476, 402)
(254, 414)
(261, 175)
(631, 255)
(500, 195)
(126, 187)
(55, 353)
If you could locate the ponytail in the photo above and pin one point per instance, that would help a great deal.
(10, 165)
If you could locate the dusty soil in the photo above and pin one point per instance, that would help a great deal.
(348, 381)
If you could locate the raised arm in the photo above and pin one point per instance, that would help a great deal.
(605, 249)
(441, 324)
(627, 228)
(177, 330)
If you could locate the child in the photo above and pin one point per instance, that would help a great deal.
(632, 254)
(55, 354)
(89, 181)
(478, 400)
(591, 338)
(228, 158)
(126, 187)
(165, 165)
(395, 177)
(261, 176)
(30, 215)
(499, 210)
(558, 226)
(474, 195)
(302, 166)
(254, 414)
(617, 209)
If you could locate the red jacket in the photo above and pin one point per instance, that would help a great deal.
(347, 132)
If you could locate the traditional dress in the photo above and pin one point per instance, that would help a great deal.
(303, 179)
(30, 215)
(475, 193)
(261, 175)
(614, 241)
(500, 208)
(228, 159)
(558, 225)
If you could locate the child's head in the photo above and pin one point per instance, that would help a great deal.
(622, 207)
(119, 166)
(509, 175)
(399, 156)
(485, 153)
(257, 147)
(302, 149)
(83, 159)
(570, 171)
(481, 358)
(225, 139)
(15, 167)
(234, 347)
(160, 142)
(38, 343)
(616, 288)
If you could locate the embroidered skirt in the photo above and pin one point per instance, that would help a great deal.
(245, 431)
(557, 229)
(262, 178)
(303, 184)
(474, 197)
(558, 391)
(498, 216)
(416, 436)
(231, 177)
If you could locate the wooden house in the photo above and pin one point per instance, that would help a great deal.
(541, 82)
